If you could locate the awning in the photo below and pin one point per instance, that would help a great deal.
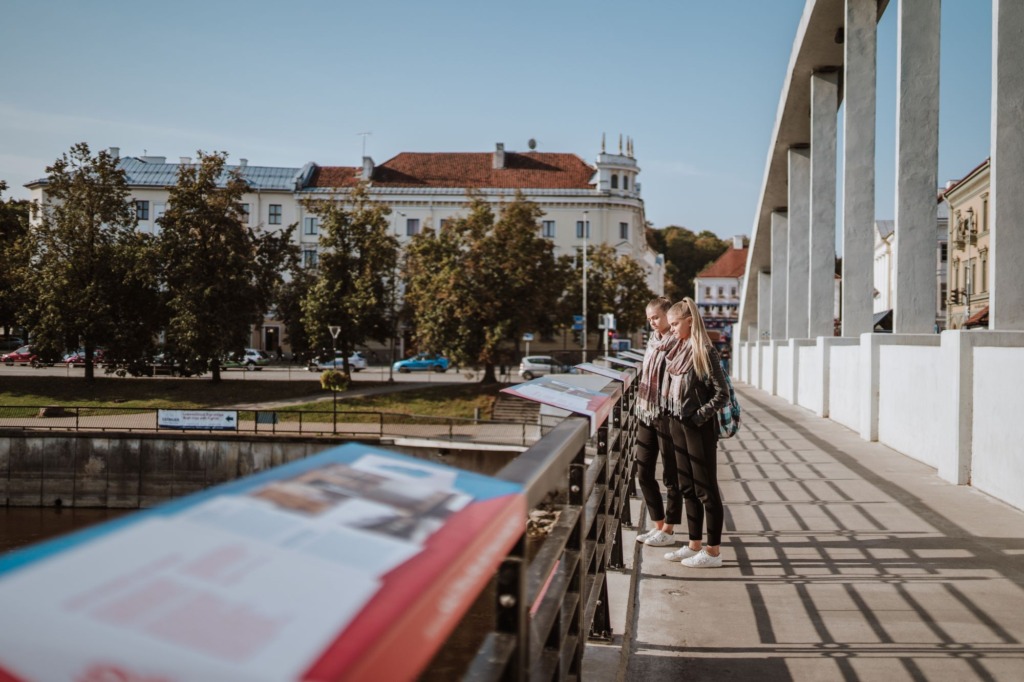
(978, 319)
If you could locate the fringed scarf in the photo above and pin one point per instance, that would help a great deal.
(649, 404)
(680, 362)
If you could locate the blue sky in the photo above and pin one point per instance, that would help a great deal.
(696, 84)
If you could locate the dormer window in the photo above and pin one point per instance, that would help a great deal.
(615, 181)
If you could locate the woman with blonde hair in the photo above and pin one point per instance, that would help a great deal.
(696, 389)
(653, 434)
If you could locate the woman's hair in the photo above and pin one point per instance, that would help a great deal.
(661, 303)
(699, 339)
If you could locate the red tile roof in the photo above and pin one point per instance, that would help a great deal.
(529, 170)
(732, 263)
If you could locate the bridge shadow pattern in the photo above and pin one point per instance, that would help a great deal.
(839, 565)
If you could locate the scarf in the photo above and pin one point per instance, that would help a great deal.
(649, 404)
(680, 362)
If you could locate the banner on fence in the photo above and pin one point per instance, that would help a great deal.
(311, 570)
(200, 420)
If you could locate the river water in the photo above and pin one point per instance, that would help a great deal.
(22, 526)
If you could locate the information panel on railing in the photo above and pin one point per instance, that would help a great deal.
(625, 377)
(353, 564)
(568, 393)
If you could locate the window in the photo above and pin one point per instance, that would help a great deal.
(943, 252)
(580, 229)
(444, 221)
(158, 211)
(548, 229)
(972, 278)
(142, 210)
(733, 293)
(984, 272)
(244, 208)
(707, 292)
(942, 296)
(309, 258)
(275, 214)
(984, 215)
(721, 292)
(615, 181)
(310, 225)
(412, 226)
(625, 182)
(623, 230)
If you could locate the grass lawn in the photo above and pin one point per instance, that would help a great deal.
(440, 401)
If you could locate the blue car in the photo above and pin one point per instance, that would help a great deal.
(423, 361)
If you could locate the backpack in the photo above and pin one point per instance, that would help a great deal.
(729, 416)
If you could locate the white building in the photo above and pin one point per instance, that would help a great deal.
(718, 287)
(582, 203)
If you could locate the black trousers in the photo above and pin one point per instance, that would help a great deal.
(652, 438)
(697, 463)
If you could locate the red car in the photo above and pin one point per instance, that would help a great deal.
(22, 356)
(77, 359)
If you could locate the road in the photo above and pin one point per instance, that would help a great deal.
(282, 372)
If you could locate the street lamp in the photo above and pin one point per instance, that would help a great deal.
(586, 231)
(334, 329)
(394, 306)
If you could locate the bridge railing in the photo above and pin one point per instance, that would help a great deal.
(548, 605)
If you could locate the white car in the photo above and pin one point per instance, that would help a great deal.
(356, 363)
(539, 365)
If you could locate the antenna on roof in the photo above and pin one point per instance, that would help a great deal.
(365, 135)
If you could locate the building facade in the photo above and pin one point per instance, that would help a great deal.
(718, 288)
(582, 204)
(967, 201)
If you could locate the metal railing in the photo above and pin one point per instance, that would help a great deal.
(363, 423)
(548, 605)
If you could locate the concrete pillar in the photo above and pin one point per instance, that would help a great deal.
(1006, 250)
(917, 162)
(764, 306)
(780, 266)
(798, 252)
(859, 164)
(822, 243)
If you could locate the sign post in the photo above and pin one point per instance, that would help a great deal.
(334, 329)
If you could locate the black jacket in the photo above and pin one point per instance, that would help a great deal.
(702, 400)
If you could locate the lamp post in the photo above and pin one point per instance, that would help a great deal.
(334, 329)
(394, 306)
(586, 231)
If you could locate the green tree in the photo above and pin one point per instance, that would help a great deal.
(289, 306)
(14, 225)
(355, 283)
(479, 283)
(616, 284)
(219, 274)
(686, 254)
(81, 259)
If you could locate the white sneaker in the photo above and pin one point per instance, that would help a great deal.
(683, 552)
(640, 537)
(703, 560)
(660, 538)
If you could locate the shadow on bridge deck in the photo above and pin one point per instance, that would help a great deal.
(843, 560)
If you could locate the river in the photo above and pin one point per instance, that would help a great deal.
(22, 526)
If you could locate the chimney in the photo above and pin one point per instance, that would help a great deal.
(243, 163)
(737, 241)
(499, 156)
(185, 160)
(367, 168)
(115, 152)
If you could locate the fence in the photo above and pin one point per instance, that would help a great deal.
(365, 424)
(547, 605)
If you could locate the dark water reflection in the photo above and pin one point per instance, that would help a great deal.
(22, 526)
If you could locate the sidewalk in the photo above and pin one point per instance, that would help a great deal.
(843, 560)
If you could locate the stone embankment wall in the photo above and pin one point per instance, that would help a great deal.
(142, 470)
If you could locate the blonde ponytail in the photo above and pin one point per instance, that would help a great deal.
(699, 339)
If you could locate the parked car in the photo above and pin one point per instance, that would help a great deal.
(20, 356)
(77, 358)
(249, 359)
(11, 343)
(356, 362)
(424, 362)
(539, 365)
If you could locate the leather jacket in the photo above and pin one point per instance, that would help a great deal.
(701, 401)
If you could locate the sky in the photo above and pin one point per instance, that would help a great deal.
(695, 84)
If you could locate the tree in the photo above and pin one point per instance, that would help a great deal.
(686, 254)
(355, 283)
(479, 283)
(82, 259)
(219, 274)
(289, 299)
(615, 284)
(14, 225)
